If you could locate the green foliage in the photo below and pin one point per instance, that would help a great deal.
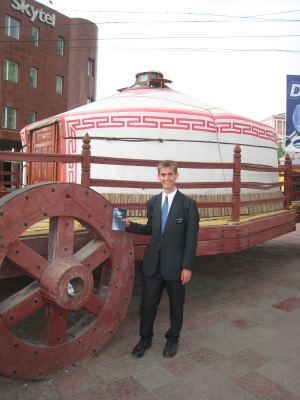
(280, 151)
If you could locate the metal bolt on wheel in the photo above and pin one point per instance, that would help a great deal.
(76, 295)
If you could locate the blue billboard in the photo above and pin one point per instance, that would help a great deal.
(292, 128)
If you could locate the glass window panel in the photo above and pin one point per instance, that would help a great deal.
(59, 84)
(9, 117)
(33, 77)
(35, 36)
(60, 46)
(90, 67)
(12, 27)
(32, 117)
(10, 71)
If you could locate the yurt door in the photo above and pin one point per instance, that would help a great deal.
(44, 140)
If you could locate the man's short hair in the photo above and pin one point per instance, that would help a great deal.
(167, 164)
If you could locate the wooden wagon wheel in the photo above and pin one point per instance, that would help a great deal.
(75, 298)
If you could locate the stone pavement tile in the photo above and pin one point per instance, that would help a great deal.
(106, 372)
(75, 381)
(120, 368)
(196, 320)
(227, 391)
(103, 355)
(196, 303)
(294, 361)
(119, 346)
(250, 358)
(144, 396)
(180, 365)
(132, 317)
(153, 377)
(283, 276)
(160, 329)
(283, 394)
(176, 391)
(283, 347)
(191, 340)
(293, 318)
(224, 330)
(126, 388)
(256, 335)
(278, 372)
(242, 323)
(262, 314)
(263, 388)
(288, 305)
(42, 390)
(134, 304)
(205, 379)
(287, 280)
(129, 326)
(95, 393)
(233, 369)
(294, 387)
(229, 310)
(206, 356)
(7, 385)
(224, 345)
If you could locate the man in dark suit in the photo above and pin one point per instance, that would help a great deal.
(173, 223)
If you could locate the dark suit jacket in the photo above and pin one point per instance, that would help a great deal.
(176, 248)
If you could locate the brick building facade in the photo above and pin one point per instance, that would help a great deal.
(47, 65)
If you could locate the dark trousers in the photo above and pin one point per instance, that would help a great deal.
(152, 290)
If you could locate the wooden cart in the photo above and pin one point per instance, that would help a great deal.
(67, 277)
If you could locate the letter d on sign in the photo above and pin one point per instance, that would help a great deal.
(294, 90)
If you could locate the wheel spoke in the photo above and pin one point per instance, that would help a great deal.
(30, 262)
(22, 304)
(61, 237)
(53, 325)
(93, 254)
(94, 305)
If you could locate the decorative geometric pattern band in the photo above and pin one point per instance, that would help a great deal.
(220, 124)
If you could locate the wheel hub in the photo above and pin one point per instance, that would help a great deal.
(66, 283)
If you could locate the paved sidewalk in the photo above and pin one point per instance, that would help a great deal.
(241, 339)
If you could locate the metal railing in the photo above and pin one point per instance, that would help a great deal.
(289, 184)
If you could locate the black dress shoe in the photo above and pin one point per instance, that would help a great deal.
(170, 349)
(140, 348)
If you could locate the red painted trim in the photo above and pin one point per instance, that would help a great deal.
(222, 124)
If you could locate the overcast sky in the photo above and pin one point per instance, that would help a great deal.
(234, 54)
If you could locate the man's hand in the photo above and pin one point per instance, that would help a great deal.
(186, 275)
(127, 222)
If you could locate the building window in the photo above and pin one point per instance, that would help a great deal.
(279, 125)
(90, 67)
(33, 77)
(59, 84)
(89, 100)
(12, 27)
(60, 46)
(35, 36)
(32, 117)
(10, 71)
(9, 117)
